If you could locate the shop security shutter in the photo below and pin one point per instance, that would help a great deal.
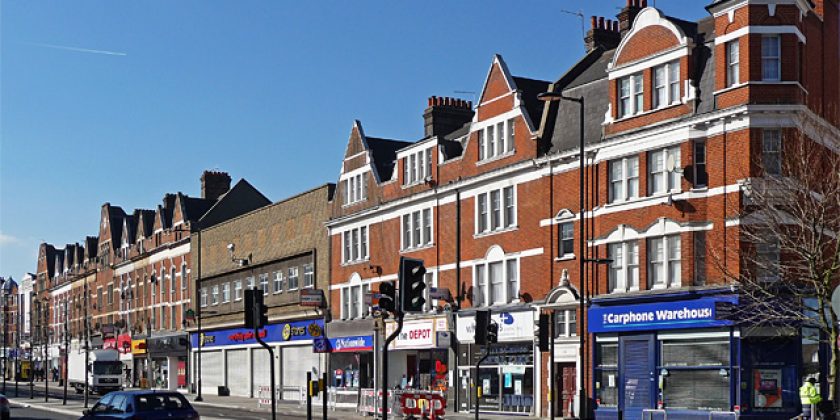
(696, 390)
(296, 362)
(237, 372)
(261, 369)
(636, 378)
(211, 371)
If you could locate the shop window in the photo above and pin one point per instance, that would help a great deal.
(606, 374)
(695, 375)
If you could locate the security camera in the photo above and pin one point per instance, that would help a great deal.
(231, 247)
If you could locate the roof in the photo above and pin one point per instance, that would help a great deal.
(195, 208)
(530, 89)
(451, 144)
(384, 153)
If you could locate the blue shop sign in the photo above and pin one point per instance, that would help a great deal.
(286, 331)
(695, 313)
(356, 343)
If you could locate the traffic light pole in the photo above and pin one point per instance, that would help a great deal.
(388, 341)
(477, 365)
(271, 359)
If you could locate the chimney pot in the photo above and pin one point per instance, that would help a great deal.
(600, 22)
(446, 116)
(431, 100)
(643, 4)
(594, 22)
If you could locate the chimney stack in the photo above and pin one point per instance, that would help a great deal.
(445, 115)
(214, 184)
(603, 34)
(628, 14)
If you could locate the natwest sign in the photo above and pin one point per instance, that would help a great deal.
(417, 334)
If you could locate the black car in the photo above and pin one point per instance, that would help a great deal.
(142, 405)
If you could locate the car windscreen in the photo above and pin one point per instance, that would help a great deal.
(107, 368)
(154, 402)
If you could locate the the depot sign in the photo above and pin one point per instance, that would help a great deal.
(696, 313)
(417, 334)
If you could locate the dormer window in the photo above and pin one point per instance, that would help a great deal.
(417, 167)
(666, 84)
(355, 188)
(496, 140)
(630, 95)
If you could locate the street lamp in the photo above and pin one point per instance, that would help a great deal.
(558, 96)
(197, 304)
(46, 304)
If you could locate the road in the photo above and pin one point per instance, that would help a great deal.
(74, 400)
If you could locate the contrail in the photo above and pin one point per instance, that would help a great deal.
(85, 50)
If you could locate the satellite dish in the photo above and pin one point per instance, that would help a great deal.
(670, 163)
(835, 300)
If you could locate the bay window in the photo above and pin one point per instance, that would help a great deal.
(771, 63)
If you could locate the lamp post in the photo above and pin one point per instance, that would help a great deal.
(66, 350)
(197, 304)
(5, 350)
(87, 335)
(46, 327)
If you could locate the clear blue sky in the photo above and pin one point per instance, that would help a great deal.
(266, 90)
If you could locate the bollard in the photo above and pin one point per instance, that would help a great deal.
(308, 395)
(324, 393)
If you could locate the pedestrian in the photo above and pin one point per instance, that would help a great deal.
(810, 397)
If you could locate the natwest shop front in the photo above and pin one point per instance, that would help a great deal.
(233, 358)
(419, 356)
(682, 355)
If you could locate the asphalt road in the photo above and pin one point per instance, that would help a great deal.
(35, 414)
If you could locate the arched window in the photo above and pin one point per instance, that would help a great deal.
(496, 279)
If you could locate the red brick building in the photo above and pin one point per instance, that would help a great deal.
(677, 116)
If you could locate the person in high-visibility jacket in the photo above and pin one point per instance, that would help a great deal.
(809, 396)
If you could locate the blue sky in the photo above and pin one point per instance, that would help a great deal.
(123, 101)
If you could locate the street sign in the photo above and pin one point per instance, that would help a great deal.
(312, 297)
(320, 344)
(441, 293)
(371, 298)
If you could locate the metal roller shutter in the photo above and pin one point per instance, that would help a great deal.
(237, 373)
(637, 374)
(261, 369)
(296, 362)
(211, 371)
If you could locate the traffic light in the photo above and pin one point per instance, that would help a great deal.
(482, 320)
(388, 296)
(543, 332)
(412, 284)
(256, 313)
(492, 333)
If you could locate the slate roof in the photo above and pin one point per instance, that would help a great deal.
(451, 144)
(195, 207)
(145, 222)
(92, 246)
(530, 89)
(384, 153)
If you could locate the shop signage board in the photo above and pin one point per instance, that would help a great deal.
(694, 313)
(417, 334)
(352, 344)
(513, 326)
(282, 332)
(312, 297)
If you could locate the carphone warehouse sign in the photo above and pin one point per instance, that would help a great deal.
(694, 313)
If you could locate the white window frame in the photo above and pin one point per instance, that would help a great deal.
(237, 290)
(308, 275)
(497, 140)
(226, 292)
(630, 88)
(414, 222)
(770, 63)
(669, 181)
(663, 268)
(293, 273)
(771, 151)
(564, 321)
(264, 283)
(666, 84)
(624, 179)
(356, 241)
(483, 284)
(507, 210)
(277, 283)
(562, 230)
(417, 166)
(733, 63)
(215, 296)
(623, 271)
(355, 188)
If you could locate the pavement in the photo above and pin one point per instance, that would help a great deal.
(212, 407)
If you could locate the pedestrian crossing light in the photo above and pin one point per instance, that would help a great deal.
(256, 313)
(388, 296)
(412, 285)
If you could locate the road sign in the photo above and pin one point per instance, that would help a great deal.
(312, 297)
(320, 344)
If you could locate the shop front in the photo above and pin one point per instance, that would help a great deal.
(167, 356)
(233, 359)
(351, 362)
(140, 377)
(682, 356)
(419, 356)
(507, 376)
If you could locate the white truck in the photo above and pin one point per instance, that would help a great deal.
(104, 373)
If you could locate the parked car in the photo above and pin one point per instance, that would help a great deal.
(4, 407)
(142, 405)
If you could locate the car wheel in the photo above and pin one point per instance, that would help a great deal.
(5, 416)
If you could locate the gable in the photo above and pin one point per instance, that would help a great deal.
(178, 210)
(498, 82)
(356, 142)
(647, 42)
